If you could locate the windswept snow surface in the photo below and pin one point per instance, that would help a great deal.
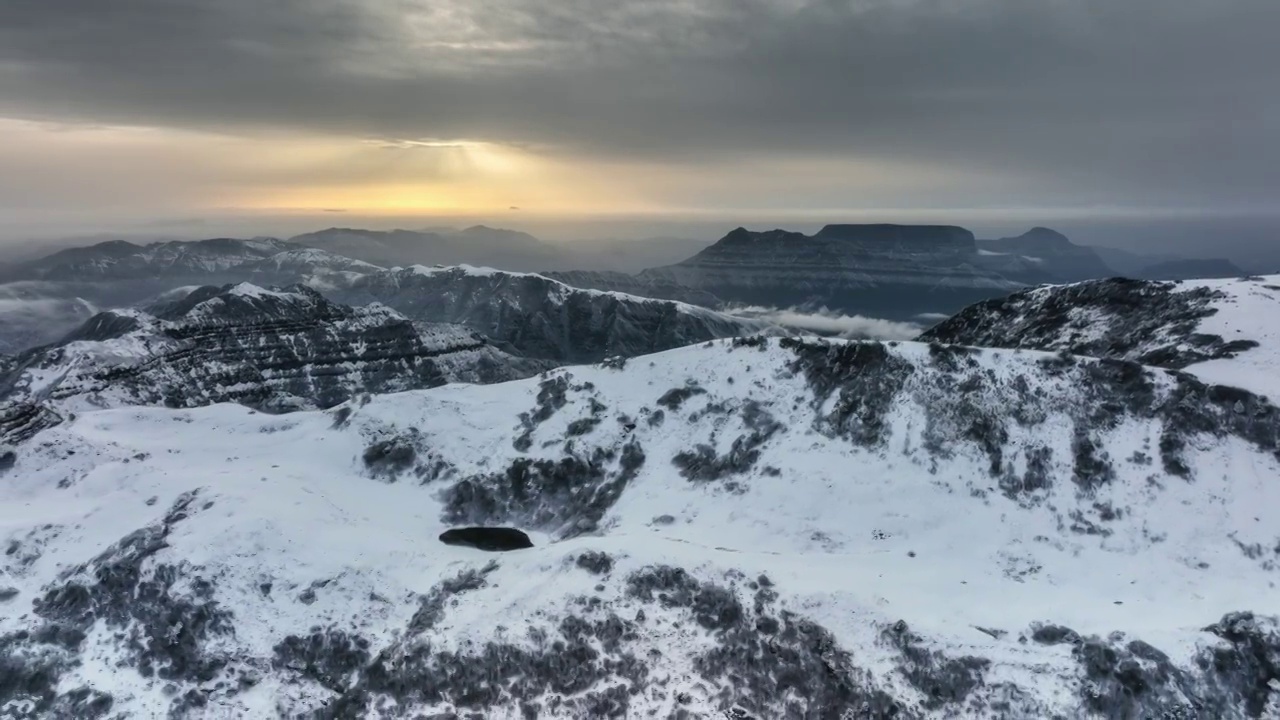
(756, 528)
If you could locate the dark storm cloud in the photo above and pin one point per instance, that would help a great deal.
(1161, 100)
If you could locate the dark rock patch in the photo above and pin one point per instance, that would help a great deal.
(865, 377)
(568, 496)
(432, 606)
(329, 657)
(490, 539)
(674, 398)
(944, 681)
(162, 630)
(581, 668)
(388, 458)
(553, 394)
(595, 562)
(1048, 634)
(704, 464)
(1132, 679)
(772, 663)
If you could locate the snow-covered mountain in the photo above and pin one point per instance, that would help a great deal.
(888, 271)
(537, 317)
(276, 350)
(641, 285)
(117, 260)
(53, 295)
(753, 528)
(1222, 331)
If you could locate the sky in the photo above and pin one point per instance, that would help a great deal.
(132, 112)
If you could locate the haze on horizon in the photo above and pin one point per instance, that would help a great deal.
(188, 113)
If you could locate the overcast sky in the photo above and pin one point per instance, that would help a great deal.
(132, 109)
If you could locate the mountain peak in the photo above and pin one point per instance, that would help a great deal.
(1046, 235)
(741, 236)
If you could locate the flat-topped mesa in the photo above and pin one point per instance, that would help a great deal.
(882, 270)
(902, 237)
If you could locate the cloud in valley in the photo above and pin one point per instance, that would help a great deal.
(832, 324)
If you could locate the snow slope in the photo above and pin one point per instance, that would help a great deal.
(754, 528)
(1222, 331)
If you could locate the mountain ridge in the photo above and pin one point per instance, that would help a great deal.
(754, 528)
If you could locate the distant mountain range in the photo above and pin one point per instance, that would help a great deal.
(883, 271)
(891, 271)
(494, 247)
(477, 245)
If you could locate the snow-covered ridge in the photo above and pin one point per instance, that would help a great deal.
(561, 289)
(753, 528)
(1223, 331)
(282, 349)
(542, 318)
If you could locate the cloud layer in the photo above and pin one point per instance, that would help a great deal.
(949, 103)
(832, 324)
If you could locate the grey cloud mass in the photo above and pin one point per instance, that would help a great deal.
(1072, 101)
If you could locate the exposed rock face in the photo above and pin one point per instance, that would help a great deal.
(831, 498)
(1211, 328)
(537, 317)
(275, 350)
(1043, 255)
(889, 271)
(642, 286)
